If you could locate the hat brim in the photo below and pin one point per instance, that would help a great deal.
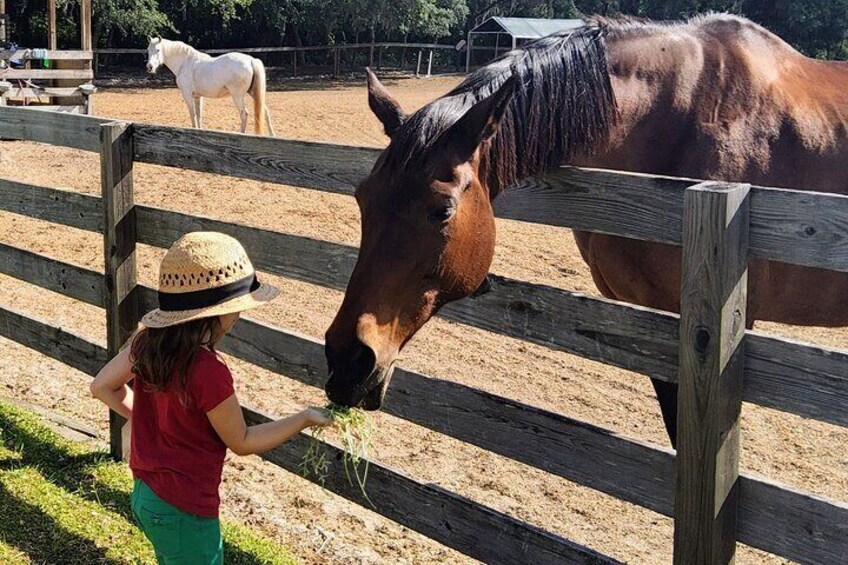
(162, 319)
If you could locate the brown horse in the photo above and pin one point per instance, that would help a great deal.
(717, 97)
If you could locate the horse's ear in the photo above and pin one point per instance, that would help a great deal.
(480, 123)
(383, 104)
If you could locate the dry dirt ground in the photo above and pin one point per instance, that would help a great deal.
(319, 526)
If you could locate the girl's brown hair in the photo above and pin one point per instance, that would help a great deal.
(160, 356)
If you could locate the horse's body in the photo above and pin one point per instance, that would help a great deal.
(715, 98)
(722, 98)
(201, 76)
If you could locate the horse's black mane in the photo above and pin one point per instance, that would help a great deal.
(563, 107)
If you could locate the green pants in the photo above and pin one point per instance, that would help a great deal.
(178, 538)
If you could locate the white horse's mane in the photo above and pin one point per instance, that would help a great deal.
(170, 47)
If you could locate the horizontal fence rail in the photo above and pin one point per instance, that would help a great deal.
(46, 93)
(40, 74)
(287, 49)
(780, 373)
(66, 130)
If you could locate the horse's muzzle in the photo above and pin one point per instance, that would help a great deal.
(367, 394)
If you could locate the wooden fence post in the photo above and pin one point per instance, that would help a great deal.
(336, 63)
(712, 328)
(119, 239)
(418, 65)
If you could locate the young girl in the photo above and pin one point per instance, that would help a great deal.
(183, 409)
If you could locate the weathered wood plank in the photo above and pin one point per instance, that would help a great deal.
(52, 54)
(43, 93)
(450, 519)
(300, 258)
(631, 337)
(59, 55)
(714, 292)
(43, 74)
(52, 30)
(67, 130)
(629, 205)
(64, 207)
(324, 166)
(68, 109)
(792, 226)
(799, 526)
(635, 338)
(64, 278)
(119, 243)
(801, 378)
(62, 345)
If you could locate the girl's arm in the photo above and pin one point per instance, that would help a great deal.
(110, 384)
(228, 421)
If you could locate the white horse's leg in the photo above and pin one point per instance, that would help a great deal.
(268, 122)
(198, 109)
(189, 100)
(238, 100)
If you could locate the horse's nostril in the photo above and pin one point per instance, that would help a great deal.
(352, 363)
(362, 360)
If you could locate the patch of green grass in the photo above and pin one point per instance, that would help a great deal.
(60, 498)
(12, 556)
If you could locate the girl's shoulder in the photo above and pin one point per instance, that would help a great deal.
(210, 381)
(207, 360)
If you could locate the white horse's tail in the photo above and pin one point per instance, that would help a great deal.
(257, 92)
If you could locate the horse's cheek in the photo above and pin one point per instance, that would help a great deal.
(470, 252)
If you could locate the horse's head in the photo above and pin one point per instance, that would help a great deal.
(428, 235)
(154, 55)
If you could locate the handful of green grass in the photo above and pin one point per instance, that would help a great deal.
(354, 427)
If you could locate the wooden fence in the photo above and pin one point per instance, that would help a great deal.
(423, 56)
(717, 364)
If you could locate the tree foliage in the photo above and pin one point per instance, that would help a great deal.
(816, 27)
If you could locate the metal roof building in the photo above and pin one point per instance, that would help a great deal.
(517, 29)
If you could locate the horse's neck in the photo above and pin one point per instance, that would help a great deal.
(175, 55)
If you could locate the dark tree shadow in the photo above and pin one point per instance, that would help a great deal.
(30, 530)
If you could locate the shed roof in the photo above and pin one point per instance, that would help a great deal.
(526, 28)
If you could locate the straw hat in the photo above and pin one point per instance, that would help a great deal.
(206, 274)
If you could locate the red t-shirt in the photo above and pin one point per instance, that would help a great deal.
(175, 450)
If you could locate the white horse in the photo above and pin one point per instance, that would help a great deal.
(199, 75)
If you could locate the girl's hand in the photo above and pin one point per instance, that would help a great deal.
(317, 417)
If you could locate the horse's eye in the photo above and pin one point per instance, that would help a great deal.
(441, 215)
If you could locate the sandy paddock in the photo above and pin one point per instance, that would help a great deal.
(319, 526)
